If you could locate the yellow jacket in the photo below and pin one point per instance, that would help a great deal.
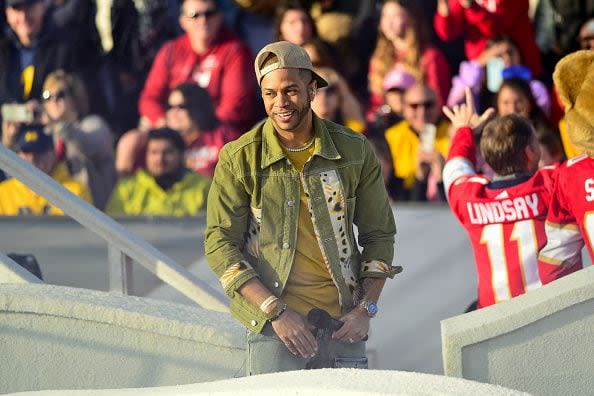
(570, 150)
(404, 147)
(140, 194)
(18, 199)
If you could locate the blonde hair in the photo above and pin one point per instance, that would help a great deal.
(384, 56)
(73, 85)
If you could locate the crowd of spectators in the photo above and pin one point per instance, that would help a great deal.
(140, 96)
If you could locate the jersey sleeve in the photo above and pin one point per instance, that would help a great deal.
(461, 158)
(562, 254)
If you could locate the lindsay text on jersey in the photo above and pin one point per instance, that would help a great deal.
(519, 208)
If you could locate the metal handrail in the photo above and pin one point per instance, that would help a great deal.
(123, 245)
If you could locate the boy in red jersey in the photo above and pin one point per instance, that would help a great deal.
(571, 216)
(504, 217)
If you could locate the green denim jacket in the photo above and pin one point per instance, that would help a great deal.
(253, 207)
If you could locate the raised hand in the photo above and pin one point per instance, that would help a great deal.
(465, 115)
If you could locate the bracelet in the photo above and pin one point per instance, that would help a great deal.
(266, 303)
(277, 312)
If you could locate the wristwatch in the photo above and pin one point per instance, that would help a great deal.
(370, 307)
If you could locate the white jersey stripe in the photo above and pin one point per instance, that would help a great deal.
(564, 245)
(454, 169)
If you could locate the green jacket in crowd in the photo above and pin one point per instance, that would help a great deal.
(253, 208)
(140, 194)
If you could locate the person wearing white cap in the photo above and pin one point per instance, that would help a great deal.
(280, 217)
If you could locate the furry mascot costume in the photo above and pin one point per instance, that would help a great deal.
(570, 219)
(574, 80)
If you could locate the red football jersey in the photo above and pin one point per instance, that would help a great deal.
(571, 218)
(505, 221)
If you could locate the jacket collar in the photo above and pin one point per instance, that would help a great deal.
(273, 152)
(148, 180)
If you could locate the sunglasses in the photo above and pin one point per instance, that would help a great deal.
(179, 106)
(427, 105)
(206, 14)
(47, 95)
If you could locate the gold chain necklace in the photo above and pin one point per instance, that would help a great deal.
(299, 149)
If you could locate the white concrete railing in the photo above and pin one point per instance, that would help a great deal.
(123, 246)
(539, 342)
(12, 272)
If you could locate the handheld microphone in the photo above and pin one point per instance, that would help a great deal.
(322, 320)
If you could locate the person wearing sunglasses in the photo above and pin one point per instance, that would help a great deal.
(418, 144)
(209, 55)
(83, 140)
(190, 112)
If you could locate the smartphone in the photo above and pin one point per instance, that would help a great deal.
(17, 112)
(427, 137)
(495, 68)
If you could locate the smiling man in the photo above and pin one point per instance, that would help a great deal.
(208, 54)
(280, 217)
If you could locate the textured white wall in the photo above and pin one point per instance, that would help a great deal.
(343, 382)
(541, 342)
(54, 337)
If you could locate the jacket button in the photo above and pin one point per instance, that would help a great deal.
(275, 284)
(254, 323)
(291, 203)
(285, 245)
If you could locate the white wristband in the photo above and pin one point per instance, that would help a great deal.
(266, 303)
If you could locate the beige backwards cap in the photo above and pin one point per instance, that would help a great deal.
(574, 81)
(289, 56)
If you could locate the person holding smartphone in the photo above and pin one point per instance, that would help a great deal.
(418, 145)
(84, 141)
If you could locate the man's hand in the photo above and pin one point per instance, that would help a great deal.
(295, 333)
(355, 327)
(464, 115)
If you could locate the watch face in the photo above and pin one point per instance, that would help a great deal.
(372, 308)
